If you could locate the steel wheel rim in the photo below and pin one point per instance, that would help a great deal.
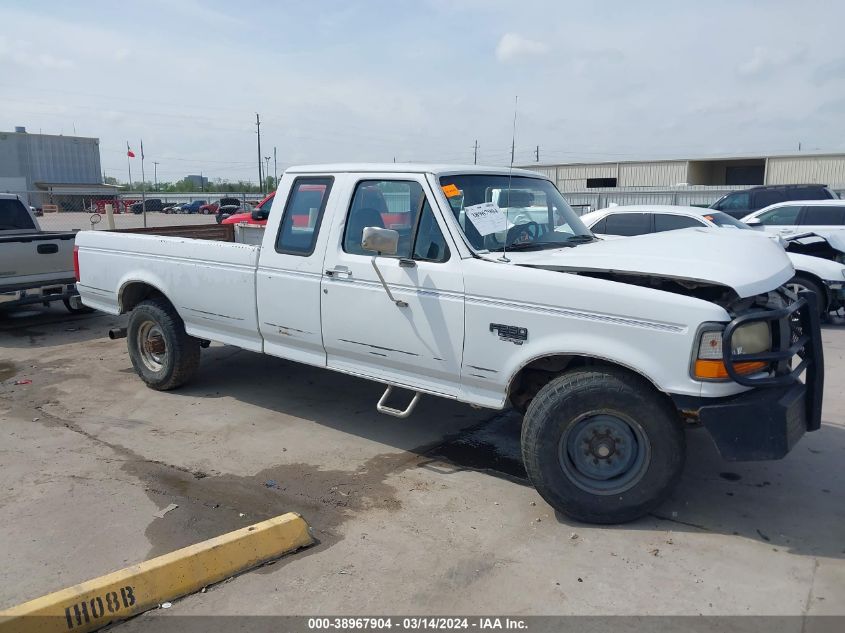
(152, 346)
(604, 453)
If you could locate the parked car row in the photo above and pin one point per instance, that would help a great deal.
(228, 204)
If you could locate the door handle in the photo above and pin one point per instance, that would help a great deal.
(47, 249)
(338, 272)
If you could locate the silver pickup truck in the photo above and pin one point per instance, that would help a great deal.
(35, 266)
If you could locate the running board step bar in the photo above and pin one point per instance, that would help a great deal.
(396, 413)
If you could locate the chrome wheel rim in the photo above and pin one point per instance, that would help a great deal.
(152, 346)
(604, 453)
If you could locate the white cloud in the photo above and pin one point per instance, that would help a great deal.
(514, 45)
(765, 61)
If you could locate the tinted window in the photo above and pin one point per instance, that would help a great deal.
(781, 216)
(736, 202)
(668, 222)
(600, 226)
(430, 244)
(628, 224)
(823, 215)
(808, 193)
(14, 216)
(764, 198)
(303, 212)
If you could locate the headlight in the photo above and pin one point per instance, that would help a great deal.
(751, 338)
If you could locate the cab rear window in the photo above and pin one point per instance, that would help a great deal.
(14, 216)
(303, 214)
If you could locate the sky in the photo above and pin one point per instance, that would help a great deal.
(423, 81)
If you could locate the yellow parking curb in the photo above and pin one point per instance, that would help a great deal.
(122, 594)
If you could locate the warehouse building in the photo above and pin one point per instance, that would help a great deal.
(36, 166)
(698, 181)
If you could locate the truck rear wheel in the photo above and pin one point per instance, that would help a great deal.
(162, 353)
(601, 445)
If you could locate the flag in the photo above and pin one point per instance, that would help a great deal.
(129, 151)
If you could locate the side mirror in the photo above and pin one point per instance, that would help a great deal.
(384, 241)
(258, 214)
(754, 222)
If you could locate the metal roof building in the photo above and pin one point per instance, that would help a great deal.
(29, 162)
(695, 181)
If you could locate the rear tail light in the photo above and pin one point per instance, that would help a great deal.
(76, 261)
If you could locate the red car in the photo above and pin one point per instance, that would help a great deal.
(257, 216)
(212, 207)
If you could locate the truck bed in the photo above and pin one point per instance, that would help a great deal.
(212, 277)
(215, 232)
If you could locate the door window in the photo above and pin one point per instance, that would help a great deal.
(600, 226)
(628, 224)
(430, 244)
(402, 206)
(670, 222)
(303, 213)
(763, 199)
(736, 202)
(782, 216)
(823, 215)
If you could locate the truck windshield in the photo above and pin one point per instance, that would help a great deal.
(498, 212)
(14, 216)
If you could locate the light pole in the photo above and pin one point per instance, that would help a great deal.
(267, 170)
(155, 174)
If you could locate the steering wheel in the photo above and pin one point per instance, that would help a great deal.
(528, 232)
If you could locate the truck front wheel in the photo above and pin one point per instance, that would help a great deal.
(602, 446)
(162, 353)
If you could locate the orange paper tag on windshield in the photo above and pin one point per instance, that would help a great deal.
(451, 191)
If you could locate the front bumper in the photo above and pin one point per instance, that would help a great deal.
(766, 422)
(757, 425)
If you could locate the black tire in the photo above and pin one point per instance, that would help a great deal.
(72, 310)
(800, 282)
(561, 416)
(176, 356)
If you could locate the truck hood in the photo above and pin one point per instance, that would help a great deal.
(739, 260)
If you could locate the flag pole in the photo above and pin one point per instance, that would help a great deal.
(143, 196)
(129, 163)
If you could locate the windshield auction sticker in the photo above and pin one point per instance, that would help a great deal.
(487, 218)
(451, 191)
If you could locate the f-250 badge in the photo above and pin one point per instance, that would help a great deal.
(512, 333)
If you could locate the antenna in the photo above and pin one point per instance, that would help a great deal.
(504, 256)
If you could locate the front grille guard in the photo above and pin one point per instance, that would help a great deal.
(796, 332)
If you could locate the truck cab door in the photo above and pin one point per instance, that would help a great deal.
(418, 344)
(290, 269)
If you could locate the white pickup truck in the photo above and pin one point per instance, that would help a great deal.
(412, 276)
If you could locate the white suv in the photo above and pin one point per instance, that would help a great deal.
(799, 216)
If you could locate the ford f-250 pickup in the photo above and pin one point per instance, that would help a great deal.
(482, 285)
